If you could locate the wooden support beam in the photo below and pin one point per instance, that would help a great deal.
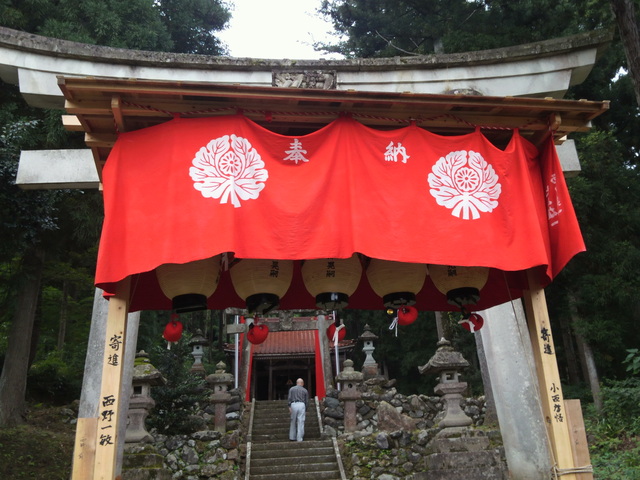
(100, 140)
(579, 444)
(72, 123)
(106, 437)
(84, 452)
(118, 117)
(544, 353)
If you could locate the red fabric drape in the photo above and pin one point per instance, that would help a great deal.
(192, 188)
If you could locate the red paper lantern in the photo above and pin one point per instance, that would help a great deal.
(173, 330)
(331, 331)
(407, 315)
(257, 333)
(473, 323)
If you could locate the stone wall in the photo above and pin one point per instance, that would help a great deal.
(202, 455)
(422, 409)
(475, 454)
(397, 437)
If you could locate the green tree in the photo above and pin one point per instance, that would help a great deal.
(595, 296)
(191, 24)
(186, 26)
(48, 236)
(405, 27)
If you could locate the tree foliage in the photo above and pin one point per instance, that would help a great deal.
(63, 226)
(185, 26)
(405, 27)
(602, 281)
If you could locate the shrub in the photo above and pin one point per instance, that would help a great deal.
(179, 400)
(52, 379)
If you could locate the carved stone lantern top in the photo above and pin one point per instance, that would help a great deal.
(220, 377)
(348, 374)
(367, 334)
(445, 358)
(198, 339)
(144, 373)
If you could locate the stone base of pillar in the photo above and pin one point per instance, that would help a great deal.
(370, 371)
(464, 454)
(143, 462)
(220, 401)
(138, 411)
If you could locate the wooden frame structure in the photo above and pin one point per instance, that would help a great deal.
(103, 107)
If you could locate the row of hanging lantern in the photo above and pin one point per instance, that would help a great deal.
(261, 283)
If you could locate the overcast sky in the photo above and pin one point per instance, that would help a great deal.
(275, 29)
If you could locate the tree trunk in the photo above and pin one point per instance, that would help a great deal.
(64, 308)
(13, 380)
(586, 354)
(625, 13)
(570, 351)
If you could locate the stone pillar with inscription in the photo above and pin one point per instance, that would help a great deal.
(350, 380)
(219, 382)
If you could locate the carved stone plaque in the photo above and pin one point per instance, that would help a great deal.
(317, 79)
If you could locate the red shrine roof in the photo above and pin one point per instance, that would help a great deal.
(287, 343)
(290, 344)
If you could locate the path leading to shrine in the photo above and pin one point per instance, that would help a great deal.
(273, 456)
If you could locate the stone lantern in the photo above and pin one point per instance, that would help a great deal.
(370, 366)
(145, 375)
(197, 344)
(219, 382)
(350, 380)
(446, 363)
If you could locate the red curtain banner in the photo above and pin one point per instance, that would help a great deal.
(192, 188)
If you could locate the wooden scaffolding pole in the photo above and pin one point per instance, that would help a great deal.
(95, 453)
(544, 354)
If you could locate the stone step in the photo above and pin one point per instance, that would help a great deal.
(278, 461)
(310, 469)
(282, 437)
(291, 449)
(328, 475)
(282, 428)
(274, 457)
(271, 421)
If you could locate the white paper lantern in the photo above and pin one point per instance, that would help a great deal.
(332, 280)
(461, 285)
(261, 283)
(397, 283)
(188, 285)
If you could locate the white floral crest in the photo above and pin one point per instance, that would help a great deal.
(228, 168)
(465, 184)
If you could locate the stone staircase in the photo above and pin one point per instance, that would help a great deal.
(274, 456)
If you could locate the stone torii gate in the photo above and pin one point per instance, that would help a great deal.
(54, 73)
